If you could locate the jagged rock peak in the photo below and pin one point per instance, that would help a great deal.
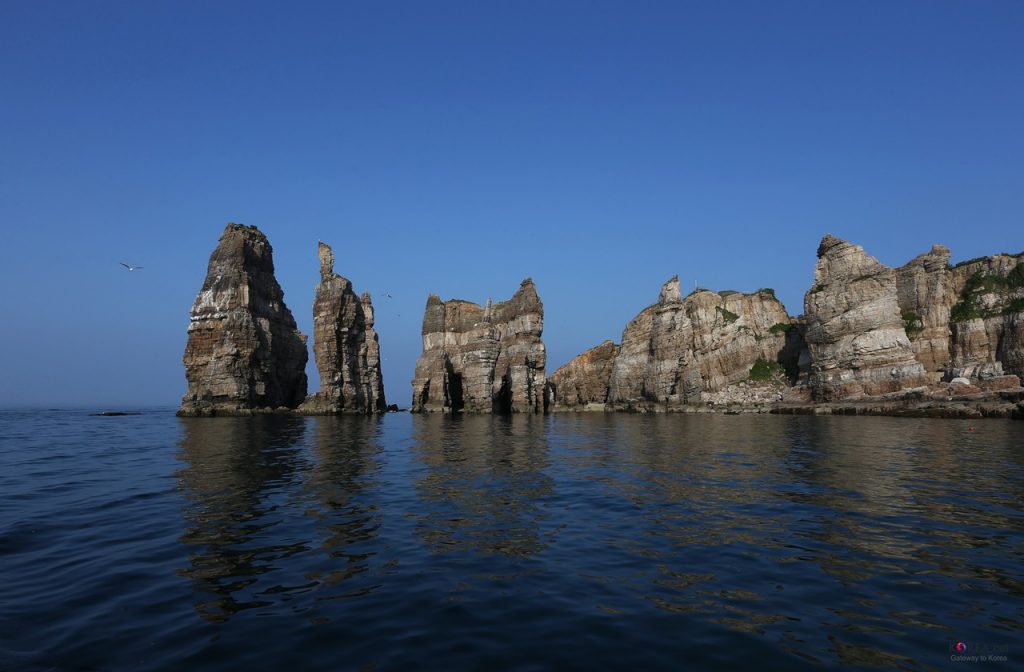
(244, 351)
(670, 291)
(482, 359)
(326, 255)
(345, 346)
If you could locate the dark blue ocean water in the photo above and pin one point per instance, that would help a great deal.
(569, 542)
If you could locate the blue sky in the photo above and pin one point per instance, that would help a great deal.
(457, 148)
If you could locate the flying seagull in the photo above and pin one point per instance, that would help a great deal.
(130, 268)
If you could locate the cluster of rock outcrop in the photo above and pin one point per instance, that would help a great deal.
(867, 331)
(482, 359)
(677, 350)
(965, 320)
(245, 353)
(244, 350)
(345, 346)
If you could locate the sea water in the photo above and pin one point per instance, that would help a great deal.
(566, 542)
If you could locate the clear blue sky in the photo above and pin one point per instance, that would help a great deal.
(458, 148)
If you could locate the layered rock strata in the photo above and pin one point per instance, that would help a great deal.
(678, 349)
(244, 351)
(482, 359)
(345, 346)
(854, 329)
(584, 381)
(966, 319)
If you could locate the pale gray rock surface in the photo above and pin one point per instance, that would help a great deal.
(855, 331)
(677, 349)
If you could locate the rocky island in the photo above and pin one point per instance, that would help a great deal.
(345, 346)
(244, 350)
(245, 354)
(482, 359)
(927, 338)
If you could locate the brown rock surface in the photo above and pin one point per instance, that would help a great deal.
(855, 331)
(244, 350)
(345, 346)
(584, 380)
(482, 359)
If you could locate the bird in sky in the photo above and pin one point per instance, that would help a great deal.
(130, 268)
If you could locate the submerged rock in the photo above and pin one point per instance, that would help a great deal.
(244, 351)
(482, 359)
(345, 346)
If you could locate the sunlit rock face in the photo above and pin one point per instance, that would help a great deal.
(965, 320)
(345, 346)
(244, 351)
(482, 359)
(854, 329)
(678, 349)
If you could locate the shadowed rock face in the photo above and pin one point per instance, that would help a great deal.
(345, 346)
(585, 379)
(244, 350)
(675, 350)
(855, 331)
(482, 359)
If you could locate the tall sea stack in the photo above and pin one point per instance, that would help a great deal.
(482, 359)
(244, 351)
(345, 346)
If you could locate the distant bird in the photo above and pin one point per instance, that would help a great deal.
(387, 295)
(130, 268)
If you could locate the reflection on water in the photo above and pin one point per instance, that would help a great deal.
(604, 540)
(234, 468)
(266, 492)
(485, 489)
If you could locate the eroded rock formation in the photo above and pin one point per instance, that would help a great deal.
(244, 351)
(966, 319)
(854, 328)
(482, 359)
(677, 349)
(585, 379)
(345, 346)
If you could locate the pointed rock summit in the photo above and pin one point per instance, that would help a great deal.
(345, 346)
(244, 351)
(482, 359)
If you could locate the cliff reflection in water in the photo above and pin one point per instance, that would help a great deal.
(484, 488)
(270, 517)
